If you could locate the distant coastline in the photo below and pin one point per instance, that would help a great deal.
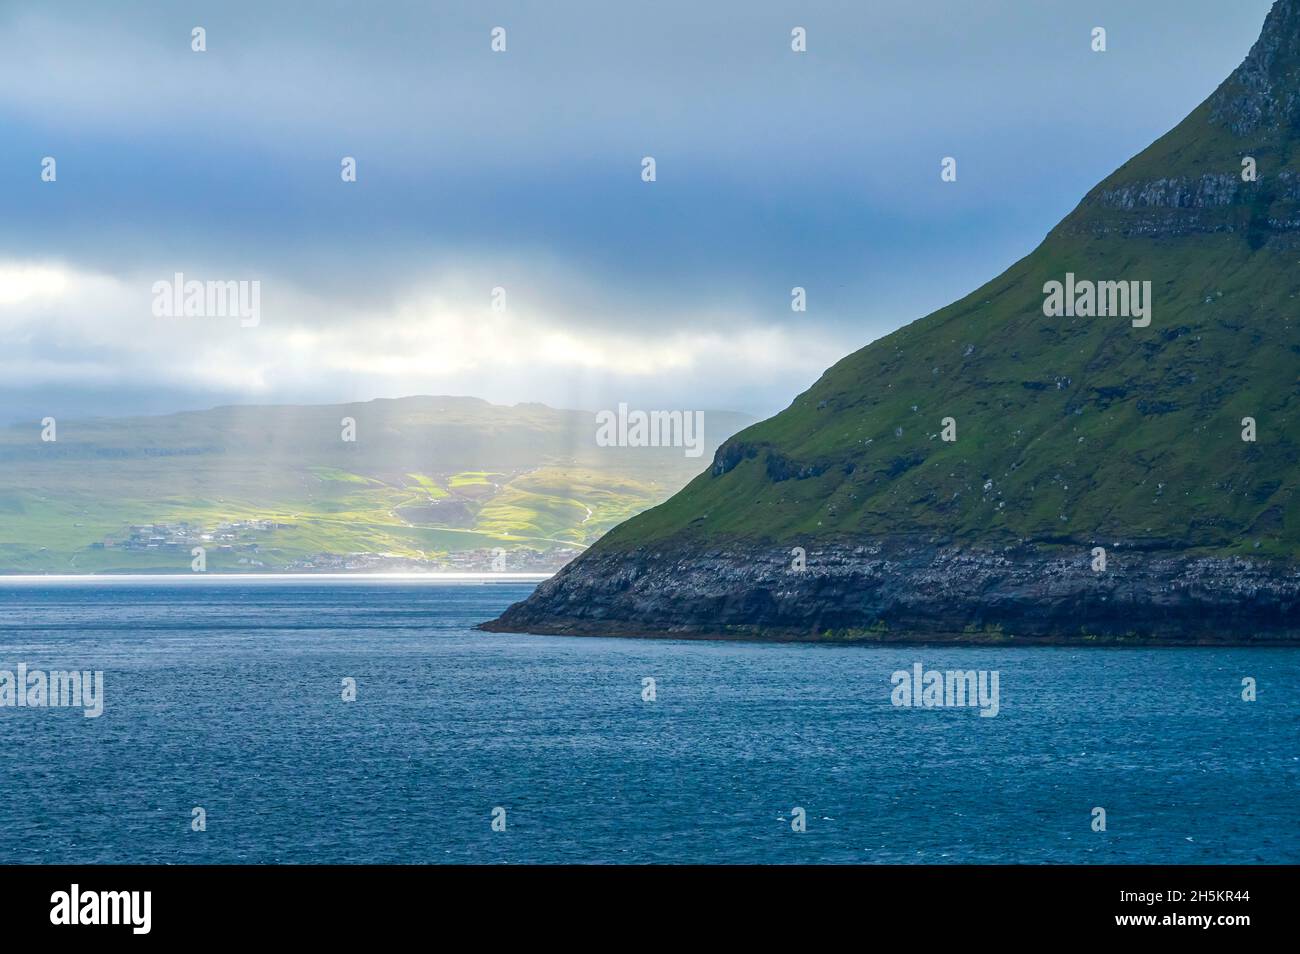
(321, 578)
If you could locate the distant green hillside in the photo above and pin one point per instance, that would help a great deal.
(1070, 430)
(428, 482)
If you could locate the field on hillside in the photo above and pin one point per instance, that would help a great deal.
(278, 489)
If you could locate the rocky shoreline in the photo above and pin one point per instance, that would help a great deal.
(902, 591)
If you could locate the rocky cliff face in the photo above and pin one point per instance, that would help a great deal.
(1254, 114)
(1262, 96)
(904, 591)
(953, 479)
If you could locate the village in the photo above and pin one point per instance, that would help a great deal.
(238, 538)
(177, 536)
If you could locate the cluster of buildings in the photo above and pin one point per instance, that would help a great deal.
(509, 561)
(239, 536)
(184, 535)
(461, 561)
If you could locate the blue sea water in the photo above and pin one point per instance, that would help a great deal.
(227, 696)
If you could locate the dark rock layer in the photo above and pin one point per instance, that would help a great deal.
(907, 591)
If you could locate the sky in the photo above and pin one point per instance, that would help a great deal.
(522, 170)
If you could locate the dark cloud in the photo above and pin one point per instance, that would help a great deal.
(774, 169)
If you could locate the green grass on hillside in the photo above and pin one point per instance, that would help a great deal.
(1070, 431)
(403, 489)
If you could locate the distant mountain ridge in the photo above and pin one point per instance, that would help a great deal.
(1073, 434)
(410, 483)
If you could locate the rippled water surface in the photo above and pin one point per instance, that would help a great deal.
(227, 695)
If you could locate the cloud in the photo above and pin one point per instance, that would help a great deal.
(30, 284)
(522, 169)
(79, 328)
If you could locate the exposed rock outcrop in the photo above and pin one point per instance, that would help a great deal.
(906, 591)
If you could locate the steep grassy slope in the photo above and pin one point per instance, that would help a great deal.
(1068, 429)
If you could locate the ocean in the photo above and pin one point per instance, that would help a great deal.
(223, 702)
